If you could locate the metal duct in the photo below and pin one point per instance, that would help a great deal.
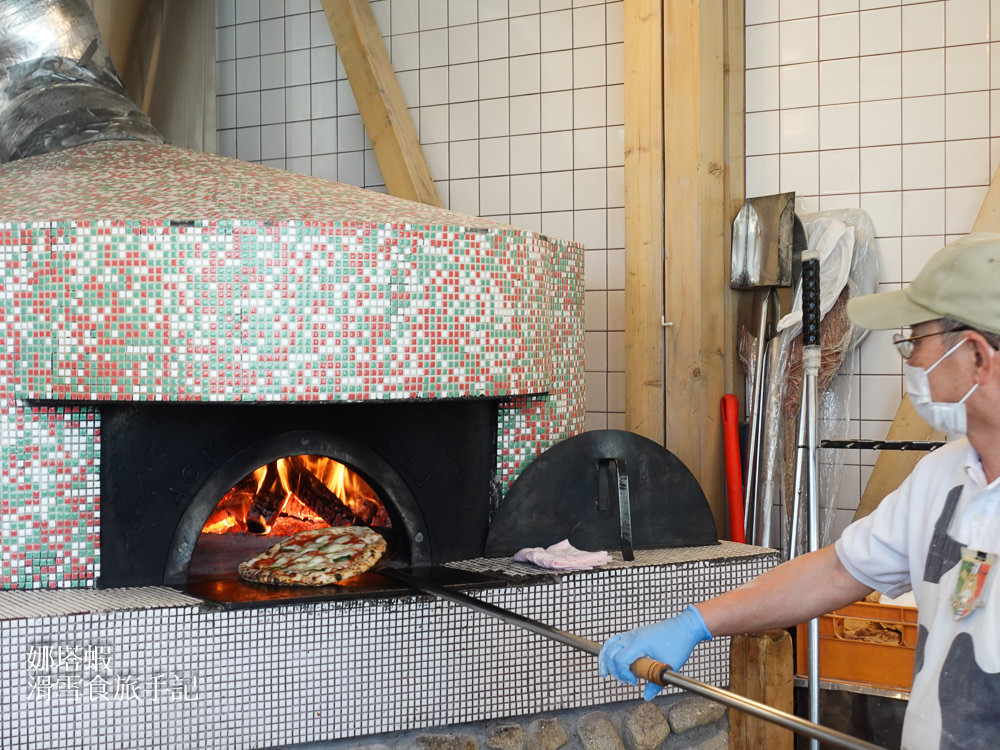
(58, 87)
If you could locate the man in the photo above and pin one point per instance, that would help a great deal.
(937, 534)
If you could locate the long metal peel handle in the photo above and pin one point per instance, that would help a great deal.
(812, 354)
(644, 667)
(654, 671)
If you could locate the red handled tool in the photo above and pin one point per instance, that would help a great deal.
(734, 471)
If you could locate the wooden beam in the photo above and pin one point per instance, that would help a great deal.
(149, 80)
(761, 668)
(988, 219)
(380, 101)
(644, 211)
(735, 159)
(121, 26)
(698, 352)
(892, 467)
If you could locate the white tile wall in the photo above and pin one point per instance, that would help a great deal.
(517, 104)
(890, 106)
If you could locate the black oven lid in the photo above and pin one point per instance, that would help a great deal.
(574, 491)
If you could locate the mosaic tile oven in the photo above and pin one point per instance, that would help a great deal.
(138, 272)
(147, 286)
(141, 275)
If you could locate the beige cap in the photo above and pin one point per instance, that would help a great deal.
(961, 281)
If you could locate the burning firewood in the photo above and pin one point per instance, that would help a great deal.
(267, 503)
(314, 494)
(231, 512)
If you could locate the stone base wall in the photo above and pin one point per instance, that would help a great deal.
(672, 722)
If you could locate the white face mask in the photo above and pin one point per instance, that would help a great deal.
(948, 417)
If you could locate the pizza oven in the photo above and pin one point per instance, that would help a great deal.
(188, 332)
(204, 354)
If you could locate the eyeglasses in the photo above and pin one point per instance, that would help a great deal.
(905, 346)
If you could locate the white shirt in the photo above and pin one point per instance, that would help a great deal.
(913, 541)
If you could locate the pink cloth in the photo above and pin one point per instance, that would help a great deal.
(562, 556)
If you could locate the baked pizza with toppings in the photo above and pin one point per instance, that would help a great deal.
(317, 557)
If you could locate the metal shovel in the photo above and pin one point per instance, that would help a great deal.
(762, 259)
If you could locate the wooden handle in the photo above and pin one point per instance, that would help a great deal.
(650, 669)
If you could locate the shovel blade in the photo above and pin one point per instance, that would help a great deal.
(763, 237)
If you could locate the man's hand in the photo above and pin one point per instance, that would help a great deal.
(668, 641)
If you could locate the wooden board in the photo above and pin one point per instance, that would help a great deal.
(761, 668)
(735, 161)
(380, 101)
(683, 185)
(644, 210)
(697, 295)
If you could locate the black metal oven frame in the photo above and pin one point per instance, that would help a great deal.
(164, 468)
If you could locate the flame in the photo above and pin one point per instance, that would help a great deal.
(221, 526)
(287, 495)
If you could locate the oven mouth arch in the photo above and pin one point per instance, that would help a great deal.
(393, 492)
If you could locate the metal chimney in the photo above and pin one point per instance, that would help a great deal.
(58, 87)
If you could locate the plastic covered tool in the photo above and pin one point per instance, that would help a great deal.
(840, 339)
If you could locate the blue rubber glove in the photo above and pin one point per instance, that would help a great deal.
(669, 641)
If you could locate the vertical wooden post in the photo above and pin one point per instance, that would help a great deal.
(683, 185)
(644, 364)
(699, 344)
(761, 668)
(735, 184)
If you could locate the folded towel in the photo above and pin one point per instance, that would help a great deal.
(562, 556)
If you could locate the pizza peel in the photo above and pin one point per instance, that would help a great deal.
(644, 667)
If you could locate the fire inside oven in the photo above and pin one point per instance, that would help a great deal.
(298, 493)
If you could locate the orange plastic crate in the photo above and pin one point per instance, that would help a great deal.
(844, 659)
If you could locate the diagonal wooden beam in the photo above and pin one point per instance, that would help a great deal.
(380, 101)
(892, 467)
(988, 219)
(121, 26)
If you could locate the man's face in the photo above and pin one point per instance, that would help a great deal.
(948, 380)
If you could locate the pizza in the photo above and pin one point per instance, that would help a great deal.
(317, 557)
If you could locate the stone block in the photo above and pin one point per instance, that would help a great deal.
(545, 734)
(598, 732)
(505, 737)
(444, 742)
(645, 727)
(690, 713)
(718, 741)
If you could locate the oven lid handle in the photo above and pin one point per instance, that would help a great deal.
(612, 473)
